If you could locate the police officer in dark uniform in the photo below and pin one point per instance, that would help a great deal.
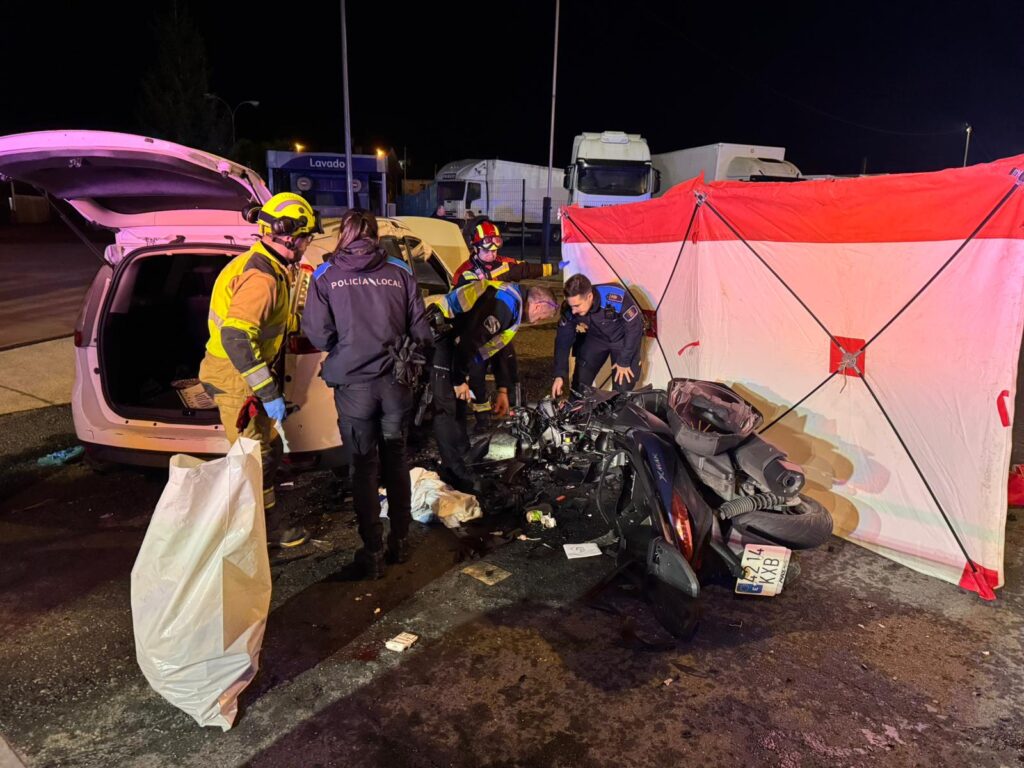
(597, 321)
(362, 307)
(481, 318)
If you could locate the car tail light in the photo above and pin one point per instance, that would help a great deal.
(300, 345)
(681, 521)
(650, 323)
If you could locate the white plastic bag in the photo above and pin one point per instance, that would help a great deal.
(432, 498)
(201, 584)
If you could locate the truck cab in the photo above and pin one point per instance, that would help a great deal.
(609, 168)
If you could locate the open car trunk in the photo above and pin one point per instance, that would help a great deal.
(154, 331)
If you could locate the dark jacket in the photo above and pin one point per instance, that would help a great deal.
(485, 316)
(360, 301)
(614, 318)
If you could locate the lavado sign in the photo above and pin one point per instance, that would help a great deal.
(319, 162)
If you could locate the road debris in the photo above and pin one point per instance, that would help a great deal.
(62, 457)
(487, 573)
(400, 642)
(588, 549)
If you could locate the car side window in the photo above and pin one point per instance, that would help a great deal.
(392, 247)
(430, 275)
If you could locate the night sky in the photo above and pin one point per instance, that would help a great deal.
(839, 85)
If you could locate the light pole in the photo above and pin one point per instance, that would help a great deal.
(348, 119)
(545, 228)
(967, 143)
(215, 97)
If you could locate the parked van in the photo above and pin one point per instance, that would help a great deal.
(176, 217)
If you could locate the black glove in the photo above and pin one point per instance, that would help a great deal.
(407, 360)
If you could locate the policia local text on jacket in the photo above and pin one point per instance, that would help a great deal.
(360, 302)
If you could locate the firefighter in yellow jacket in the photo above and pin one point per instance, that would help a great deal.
(249, 317)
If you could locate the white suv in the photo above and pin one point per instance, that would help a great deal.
(176, 217)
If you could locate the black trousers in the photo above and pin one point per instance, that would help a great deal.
(372, 417)
(591, 354)
(504, 365)
(449, 413)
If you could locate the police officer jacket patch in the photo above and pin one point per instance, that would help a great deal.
(630, 313)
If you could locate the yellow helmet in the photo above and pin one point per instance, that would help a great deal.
(287, 214)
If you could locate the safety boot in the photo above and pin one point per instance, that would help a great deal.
(372, 563)
(399, 550)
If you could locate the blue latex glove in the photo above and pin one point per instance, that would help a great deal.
(563, 264)
(275, 409)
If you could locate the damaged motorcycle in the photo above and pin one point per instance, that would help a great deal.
(696, 484)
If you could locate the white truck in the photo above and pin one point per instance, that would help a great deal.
(609, 168)
(510, 194)
(734, 162)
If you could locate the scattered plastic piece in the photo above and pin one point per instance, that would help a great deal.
(376, 611)
(59, 458)
(400, 642)
(588, 549)
(487, 573)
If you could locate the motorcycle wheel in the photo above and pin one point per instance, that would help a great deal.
(804, 526)
(676, 612)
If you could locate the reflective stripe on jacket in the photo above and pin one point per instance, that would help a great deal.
(249, 316)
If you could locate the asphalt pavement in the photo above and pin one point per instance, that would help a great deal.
(860, 662)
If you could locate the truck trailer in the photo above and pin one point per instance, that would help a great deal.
(718, 162)
(510, 194)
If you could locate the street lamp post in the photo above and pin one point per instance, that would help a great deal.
(545, 228)
(213, 96)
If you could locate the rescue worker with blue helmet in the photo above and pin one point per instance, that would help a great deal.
(597, 322)
(250, 314)
(364, 308)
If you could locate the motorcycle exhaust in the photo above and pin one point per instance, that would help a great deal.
(768, 465)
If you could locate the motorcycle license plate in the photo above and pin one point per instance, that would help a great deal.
(764, 570)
